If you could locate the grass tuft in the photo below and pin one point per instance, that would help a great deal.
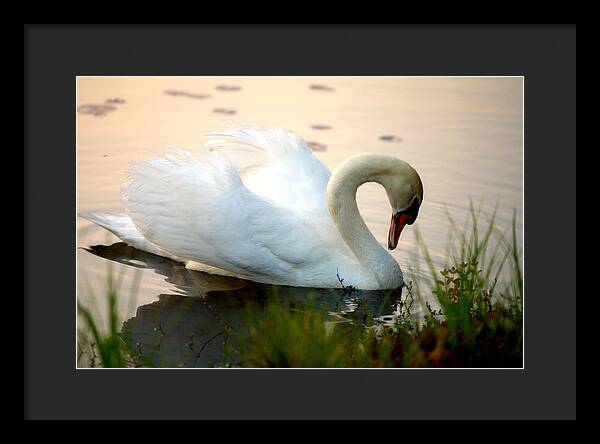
(106, 346)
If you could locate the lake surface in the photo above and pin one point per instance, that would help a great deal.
(463, 135)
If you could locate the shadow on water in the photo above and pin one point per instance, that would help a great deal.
(190, 328)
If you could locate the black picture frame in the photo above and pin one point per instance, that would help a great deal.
(55, 54)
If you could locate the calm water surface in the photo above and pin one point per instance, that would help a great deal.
(463, 135)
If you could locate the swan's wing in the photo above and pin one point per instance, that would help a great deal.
(276, 164)
(201, 211)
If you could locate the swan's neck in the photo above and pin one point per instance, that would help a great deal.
(341, 197)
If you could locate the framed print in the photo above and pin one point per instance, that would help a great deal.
(205, 219)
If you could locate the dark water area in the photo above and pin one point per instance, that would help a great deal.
(190, 326)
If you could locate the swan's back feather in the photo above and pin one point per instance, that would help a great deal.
(276, 164)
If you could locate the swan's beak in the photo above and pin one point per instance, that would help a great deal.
(399, 221)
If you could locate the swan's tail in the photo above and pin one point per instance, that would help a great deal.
(122, 226)
(118, 224)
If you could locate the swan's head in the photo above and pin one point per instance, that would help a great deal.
(405, 193)
(400, 180)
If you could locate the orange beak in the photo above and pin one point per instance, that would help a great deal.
(399, 221)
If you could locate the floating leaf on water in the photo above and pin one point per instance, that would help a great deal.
(95, 110)
(390, 138)
(197, 96)
(228, 111)
(174, 92)
(116, 100)
(320, 127)
(228, 87)
(316, 146)
(182, 93)
(320, 87)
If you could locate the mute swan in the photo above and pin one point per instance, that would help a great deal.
(260, 206)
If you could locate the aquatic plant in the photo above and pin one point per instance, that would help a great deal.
(107, 345)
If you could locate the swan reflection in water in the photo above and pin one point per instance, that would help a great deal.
(189, 328)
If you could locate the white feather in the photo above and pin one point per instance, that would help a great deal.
(276, 164)
(122, 226)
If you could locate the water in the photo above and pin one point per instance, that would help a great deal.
(463, 135)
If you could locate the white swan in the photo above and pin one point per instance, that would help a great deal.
(260, 206)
